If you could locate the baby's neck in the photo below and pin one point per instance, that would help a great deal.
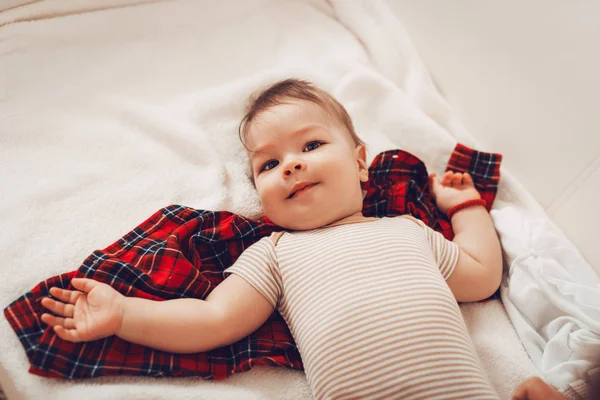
(352, 218)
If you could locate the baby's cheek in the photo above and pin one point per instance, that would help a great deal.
(268, 198)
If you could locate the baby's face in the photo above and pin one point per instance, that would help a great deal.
(306, 167)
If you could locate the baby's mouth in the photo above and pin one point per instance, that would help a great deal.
(302, 189)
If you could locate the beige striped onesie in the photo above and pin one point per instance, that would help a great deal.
(369, 308)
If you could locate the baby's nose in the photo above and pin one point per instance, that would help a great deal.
(293, 166)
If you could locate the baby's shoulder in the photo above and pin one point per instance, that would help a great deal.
(407, 219)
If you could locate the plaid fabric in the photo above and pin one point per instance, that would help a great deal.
(181, 252)
(398, 184)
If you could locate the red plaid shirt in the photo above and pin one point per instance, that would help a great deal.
(182, 252)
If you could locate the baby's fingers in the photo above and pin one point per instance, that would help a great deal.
(66, 296)
(457, 179)
(51, 320)
(84, 284)
(467, 179)
(59, 308)
(447, 178)
(434, 184)
(67, 334)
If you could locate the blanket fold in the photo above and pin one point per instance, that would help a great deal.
(181, 252)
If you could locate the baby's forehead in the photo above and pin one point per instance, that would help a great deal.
(289, 117)
(293, 111)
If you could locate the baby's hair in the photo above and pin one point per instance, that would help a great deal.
(297, 89)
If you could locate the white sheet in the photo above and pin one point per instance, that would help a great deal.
(115, 108)
(552, 296)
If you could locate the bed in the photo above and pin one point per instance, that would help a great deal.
(114, 109)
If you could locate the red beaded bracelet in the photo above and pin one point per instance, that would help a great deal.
(465, 204)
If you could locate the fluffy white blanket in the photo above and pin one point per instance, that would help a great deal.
(111, 109)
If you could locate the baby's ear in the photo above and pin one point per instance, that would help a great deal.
(360, 153)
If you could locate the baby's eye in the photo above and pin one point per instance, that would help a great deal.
(310, 146)
(269, 165)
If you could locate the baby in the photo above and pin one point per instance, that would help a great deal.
(370, 302)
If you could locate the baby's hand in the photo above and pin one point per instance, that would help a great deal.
(454, 188)
(94, 311)
(536, 389)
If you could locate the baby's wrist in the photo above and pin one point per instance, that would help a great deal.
(122, 313)
(465, 204)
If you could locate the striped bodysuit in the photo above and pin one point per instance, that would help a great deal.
(369, 308)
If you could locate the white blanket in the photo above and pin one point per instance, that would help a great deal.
(552, 296)
(113, 109)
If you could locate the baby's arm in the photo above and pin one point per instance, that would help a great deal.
(232, 311)
(479, 269)
(478, 272)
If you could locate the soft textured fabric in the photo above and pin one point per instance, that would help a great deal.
(369, 308)
(553, 277)
(181, 252)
